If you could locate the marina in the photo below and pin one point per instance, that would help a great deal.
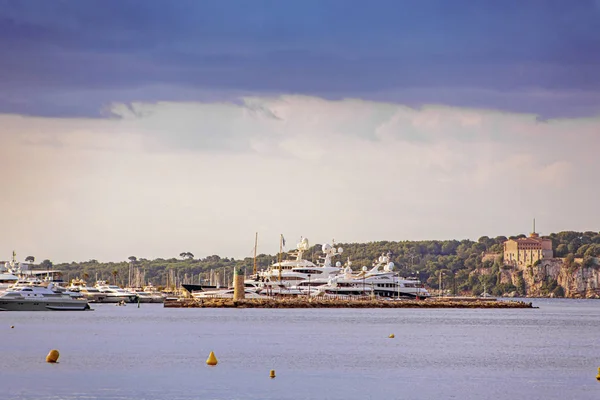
(291, 282)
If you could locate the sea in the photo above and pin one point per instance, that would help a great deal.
(151, 352)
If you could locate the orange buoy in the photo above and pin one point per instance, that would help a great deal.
(212, 360)
(52, 357)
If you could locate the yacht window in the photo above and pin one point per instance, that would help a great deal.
(27, 290)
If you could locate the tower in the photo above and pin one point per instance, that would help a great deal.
(238, 284)
(534, 234)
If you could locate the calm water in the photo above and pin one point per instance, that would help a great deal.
(154, 353)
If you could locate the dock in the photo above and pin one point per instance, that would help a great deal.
(335, 303)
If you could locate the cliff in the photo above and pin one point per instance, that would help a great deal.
(555, 277)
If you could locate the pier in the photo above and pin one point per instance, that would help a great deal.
(346, 303)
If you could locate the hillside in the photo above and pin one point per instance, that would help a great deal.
(465, 266)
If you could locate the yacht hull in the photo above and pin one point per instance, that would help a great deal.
(41, 305)
(119, 299)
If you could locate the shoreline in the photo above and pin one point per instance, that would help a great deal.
(333, 303)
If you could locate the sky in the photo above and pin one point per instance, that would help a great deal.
(150, 128)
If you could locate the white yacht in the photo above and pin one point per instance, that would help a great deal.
(290, 273)
(387, 283)
(157, 296)
(380, 281)
(344, 285)
(92, 294)
(115, 294)
(39, 298)
(7, 280)
(10, 272)
(144, 296)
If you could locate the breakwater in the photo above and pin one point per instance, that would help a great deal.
(336, 303)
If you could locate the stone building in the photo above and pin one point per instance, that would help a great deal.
(522, 252)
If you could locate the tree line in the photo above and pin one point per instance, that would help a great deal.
(455, 262)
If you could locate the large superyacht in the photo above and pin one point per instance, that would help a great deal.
(381, 281)
(296, 275)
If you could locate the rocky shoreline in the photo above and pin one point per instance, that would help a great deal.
(334, 303)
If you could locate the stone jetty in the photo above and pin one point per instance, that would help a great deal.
(299, 302)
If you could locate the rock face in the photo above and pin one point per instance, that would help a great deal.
(555, 277)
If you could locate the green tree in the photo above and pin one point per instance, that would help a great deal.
(588, 262)
(30, 259)
(186, 254)
(569, 259)
(561, 250)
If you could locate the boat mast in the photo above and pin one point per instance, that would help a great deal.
(254, 271)
(279, 255)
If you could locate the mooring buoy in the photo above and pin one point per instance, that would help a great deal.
(391, 336)
(52, 357)
(212, 360)
(272, 374)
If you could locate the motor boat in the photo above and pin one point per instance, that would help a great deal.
(115, 294)
(157, 296)
(92, 294)
(7, 280)
(39, 298)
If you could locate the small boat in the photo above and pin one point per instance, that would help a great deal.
(39, 298)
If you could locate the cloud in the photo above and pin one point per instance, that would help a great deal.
(254, 124)
(72, 59)
(206, 176)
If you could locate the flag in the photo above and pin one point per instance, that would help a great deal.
(282, 241)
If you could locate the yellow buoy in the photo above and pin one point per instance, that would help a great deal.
(598, 376)
(272, 374)
(212, 360)
(391, 336)
(52, 357)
